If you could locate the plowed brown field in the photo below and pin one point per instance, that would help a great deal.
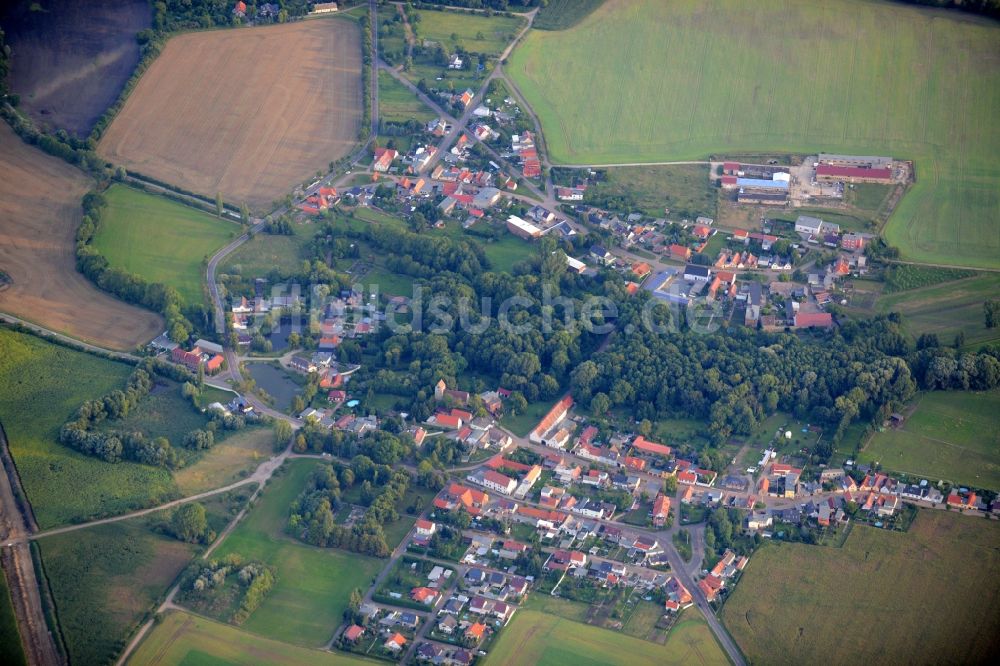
(39, 213)
(249, 113)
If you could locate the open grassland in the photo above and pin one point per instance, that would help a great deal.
(182, 638)
(313, 584)
(104, 580)
(950, 435)
(215, 114)
(938, 584)
(396, 104)
(70, 59)
(642, 80)
(160, 240)
(683, 189)
(946, 309)
(11, 651)
(472, 31)
(41, 386)
(266, 252)
(227, 461)
(39, 213)
(537, 638)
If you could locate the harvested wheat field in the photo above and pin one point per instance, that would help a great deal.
(39, 213)
(249, 112)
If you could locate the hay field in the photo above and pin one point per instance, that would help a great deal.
(926, 596)
(249, 113)
(39, 213)
(533, 637)
(183, 638)
(642, 80)
(950, 435)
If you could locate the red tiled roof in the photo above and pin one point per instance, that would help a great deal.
(555, 414)
(806, 319)
(642, 444)
(853, 172)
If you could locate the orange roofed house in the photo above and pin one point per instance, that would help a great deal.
(383, 159)
(555, 416)
(457, 495)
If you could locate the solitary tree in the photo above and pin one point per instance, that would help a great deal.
(189, 523)
(282, 433)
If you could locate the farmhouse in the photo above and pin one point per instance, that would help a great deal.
(383, 159)
(456, 495)
(813, 320)
(555, 416)
(661, 510)
(324, 7)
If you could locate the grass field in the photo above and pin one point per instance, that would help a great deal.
(160, 240)
(950, 435)
(37, 395)
(313, 584)
(265, 253)
(397, 104)
(937, 582)
(521, 424)
(182, 638)
(945, 309)
(104, 580)
(475, 33)
(227, 461)
(506, 252)
(211, 115)
(684, 189)
(533, 637)
(11, 651)
(37, 251)
(809, 77)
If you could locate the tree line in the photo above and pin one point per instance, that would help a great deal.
(127, 286)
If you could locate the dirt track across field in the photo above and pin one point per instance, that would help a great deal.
(39, 213)
(250, 113)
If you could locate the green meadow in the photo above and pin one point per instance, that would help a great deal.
(160, 240)
(533, 637)
(397, 104)
(950, 435)
(41, 386)
(643, 80)
(472, 31)
(182, 638)
(313, 584)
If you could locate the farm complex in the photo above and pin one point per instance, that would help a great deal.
(499, 332)
(214, 115)
(828, 88)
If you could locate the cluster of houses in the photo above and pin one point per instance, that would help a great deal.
(523, 150)
(725, 571)
(473, 432)
(203, 355)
